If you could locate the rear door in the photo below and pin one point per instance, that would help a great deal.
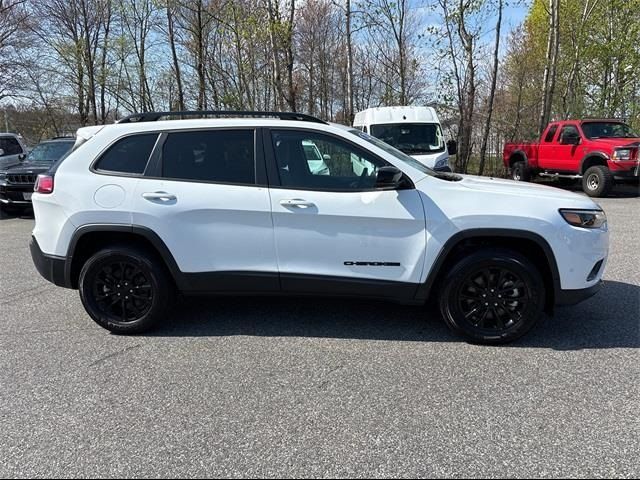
(335, 232)
(205, 196)
(546, 148)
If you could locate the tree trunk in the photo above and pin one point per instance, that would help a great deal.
(350, 111)
(487, 125)
(176, 63)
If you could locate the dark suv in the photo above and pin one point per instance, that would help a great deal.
(17, 181)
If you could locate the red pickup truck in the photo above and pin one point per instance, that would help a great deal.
(598, 152)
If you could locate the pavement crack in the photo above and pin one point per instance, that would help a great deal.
(113, 355)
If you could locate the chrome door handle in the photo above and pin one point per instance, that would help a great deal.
(163, 196)
(296, 202)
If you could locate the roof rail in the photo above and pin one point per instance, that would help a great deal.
(155, 116)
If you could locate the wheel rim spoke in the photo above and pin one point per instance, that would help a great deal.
(493, 298)
(122, 291)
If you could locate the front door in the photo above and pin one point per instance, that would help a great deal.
(334, 231)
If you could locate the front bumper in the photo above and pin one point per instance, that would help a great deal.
(52, 268)
(571, 297)
(15, 194)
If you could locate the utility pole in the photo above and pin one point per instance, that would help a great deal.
(6, 121)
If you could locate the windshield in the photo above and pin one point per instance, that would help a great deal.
(411, 138)
(49, 152)
(608, 130)
(412, 162)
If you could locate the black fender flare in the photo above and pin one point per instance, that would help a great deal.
(597, 153)
(424, 290)
(144, 232)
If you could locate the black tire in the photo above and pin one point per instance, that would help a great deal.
(597, 181)
(121, 271)
(499, 276)
(520, 172)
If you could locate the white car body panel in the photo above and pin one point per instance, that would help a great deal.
(208, 225)
(339, 227)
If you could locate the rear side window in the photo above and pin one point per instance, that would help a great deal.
(128, 155)
(551, 133)
(10, 146)
(221, 156)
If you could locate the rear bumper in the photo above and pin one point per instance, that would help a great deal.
(571, 297)
(52, 268)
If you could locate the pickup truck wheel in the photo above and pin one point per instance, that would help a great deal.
(124, 290)
(597, 181)
(493, 296)
(520, 172)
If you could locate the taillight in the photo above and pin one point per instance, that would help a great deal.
(44, 184)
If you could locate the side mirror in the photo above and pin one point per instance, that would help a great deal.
(326, 156)
(452, 147)
(388, 178)
(1, 152)
(571, 140)
(22, 156)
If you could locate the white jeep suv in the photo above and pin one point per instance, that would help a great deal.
(143, 209)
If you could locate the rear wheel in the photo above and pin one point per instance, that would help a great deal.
(520, 172)
(597, 181)
(493, 296)
(125, 290)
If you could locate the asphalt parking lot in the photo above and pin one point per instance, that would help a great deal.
(298, 388)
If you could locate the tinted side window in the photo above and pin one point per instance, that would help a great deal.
(224, 156)
(10, 146)
(568, 131)
(128, 155)
(314, 161)
(551, 133)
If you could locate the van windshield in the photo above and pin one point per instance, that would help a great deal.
(411, 138)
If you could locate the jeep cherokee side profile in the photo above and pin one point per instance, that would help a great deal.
(144, 209)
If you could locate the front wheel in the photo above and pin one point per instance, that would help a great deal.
(125, 290)
(493, 296)
(597, 181)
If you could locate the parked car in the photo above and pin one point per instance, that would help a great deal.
(12, 150)
(145, 209)
(597, 152)
(17, 181)
(316, 162)
(415, 131)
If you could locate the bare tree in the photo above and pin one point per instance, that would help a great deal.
(492, 92)
(553, 45)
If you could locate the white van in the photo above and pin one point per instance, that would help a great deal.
(415, 131)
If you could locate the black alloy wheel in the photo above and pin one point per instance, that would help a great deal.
(125, 289)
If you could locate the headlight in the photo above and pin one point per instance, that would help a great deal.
(3, 176)
(442, 162)
(585, 218)
(622, 154)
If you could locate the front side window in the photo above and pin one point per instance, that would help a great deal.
(10, 146)
(593, 130)
(221, 156)
(308, 160)
(411, 138)
(568, 132)
(128, 155)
